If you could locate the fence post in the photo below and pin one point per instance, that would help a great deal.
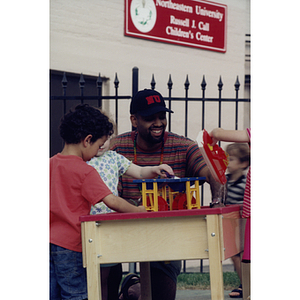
(135, 88)
(153, 82)
(81, 86)
(64, 83)
(99, 87)
(170, 85)
(135, 81)
(237, 87)
(186, 86)
(116, 82)
(220, 86)
(203, 87)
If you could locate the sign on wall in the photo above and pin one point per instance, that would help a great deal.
(192, 23)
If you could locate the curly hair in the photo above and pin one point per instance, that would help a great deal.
(84, 120)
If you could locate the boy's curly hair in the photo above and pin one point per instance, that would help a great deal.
(84, 120)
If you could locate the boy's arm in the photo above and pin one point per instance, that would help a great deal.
(237, 136)
(148, 172)
(120, 205)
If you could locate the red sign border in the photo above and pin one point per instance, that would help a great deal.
(180, 43)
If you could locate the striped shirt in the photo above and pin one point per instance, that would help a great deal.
(181, 153)
(247, 195)
(235, 190)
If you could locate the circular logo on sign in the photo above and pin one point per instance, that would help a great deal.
(143, 14)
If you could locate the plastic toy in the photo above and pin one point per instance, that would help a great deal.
(215, 158)
(170, 193)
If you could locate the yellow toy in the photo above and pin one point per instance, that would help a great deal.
(157, 192)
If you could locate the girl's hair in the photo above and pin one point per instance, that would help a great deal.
(84, 120)
(241, 151)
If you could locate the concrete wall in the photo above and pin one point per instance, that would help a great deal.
(88, 37)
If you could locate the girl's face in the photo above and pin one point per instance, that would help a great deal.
(104, 148)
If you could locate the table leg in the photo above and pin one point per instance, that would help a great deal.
(92, 265)
(145, 281)
(246, 279)
(215, 257)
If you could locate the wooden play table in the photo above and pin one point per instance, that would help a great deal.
(207, 233)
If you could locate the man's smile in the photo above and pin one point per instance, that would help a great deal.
(157, 132)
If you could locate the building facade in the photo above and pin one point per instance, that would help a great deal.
(89, 37)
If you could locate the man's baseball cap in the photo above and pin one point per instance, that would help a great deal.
(148, 102)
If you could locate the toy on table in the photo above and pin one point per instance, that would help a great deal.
(170, 193)
(215, 157)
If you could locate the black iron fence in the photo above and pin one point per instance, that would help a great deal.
(69, 89)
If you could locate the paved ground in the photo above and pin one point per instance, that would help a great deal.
(197, 295)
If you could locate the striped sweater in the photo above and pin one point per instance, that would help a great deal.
(247, 195)
(235, 190)
(181, 153)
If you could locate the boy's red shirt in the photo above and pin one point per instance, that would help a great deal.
(74, 187)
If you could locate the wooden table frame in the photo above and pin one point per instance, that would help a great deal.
(207, 233)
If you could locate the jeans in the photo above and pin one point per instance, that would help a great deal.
(67, 275)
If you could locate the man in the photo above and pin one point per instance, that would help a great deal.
(149, 145)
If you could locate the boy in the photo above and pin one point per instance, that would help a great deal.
(74, 187)
(239, 160)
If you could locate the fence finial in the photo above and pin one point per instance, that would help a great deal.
(153, 83)
(220, 84)
(170, 82)
(64, 80)
(81, 86)
(64, 85)
(237, 84)
(187, 83)
(203, 84)
(116, 82)
(99, 81)
(81, 81)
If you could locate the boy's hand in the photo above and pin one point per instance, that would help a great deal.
(141, 209)
(165, 171)
(213, 134)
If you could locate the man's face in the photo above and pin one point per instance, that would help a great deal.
(151, 129)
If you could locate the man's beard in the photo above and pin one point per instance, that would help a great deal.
(153, 140)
